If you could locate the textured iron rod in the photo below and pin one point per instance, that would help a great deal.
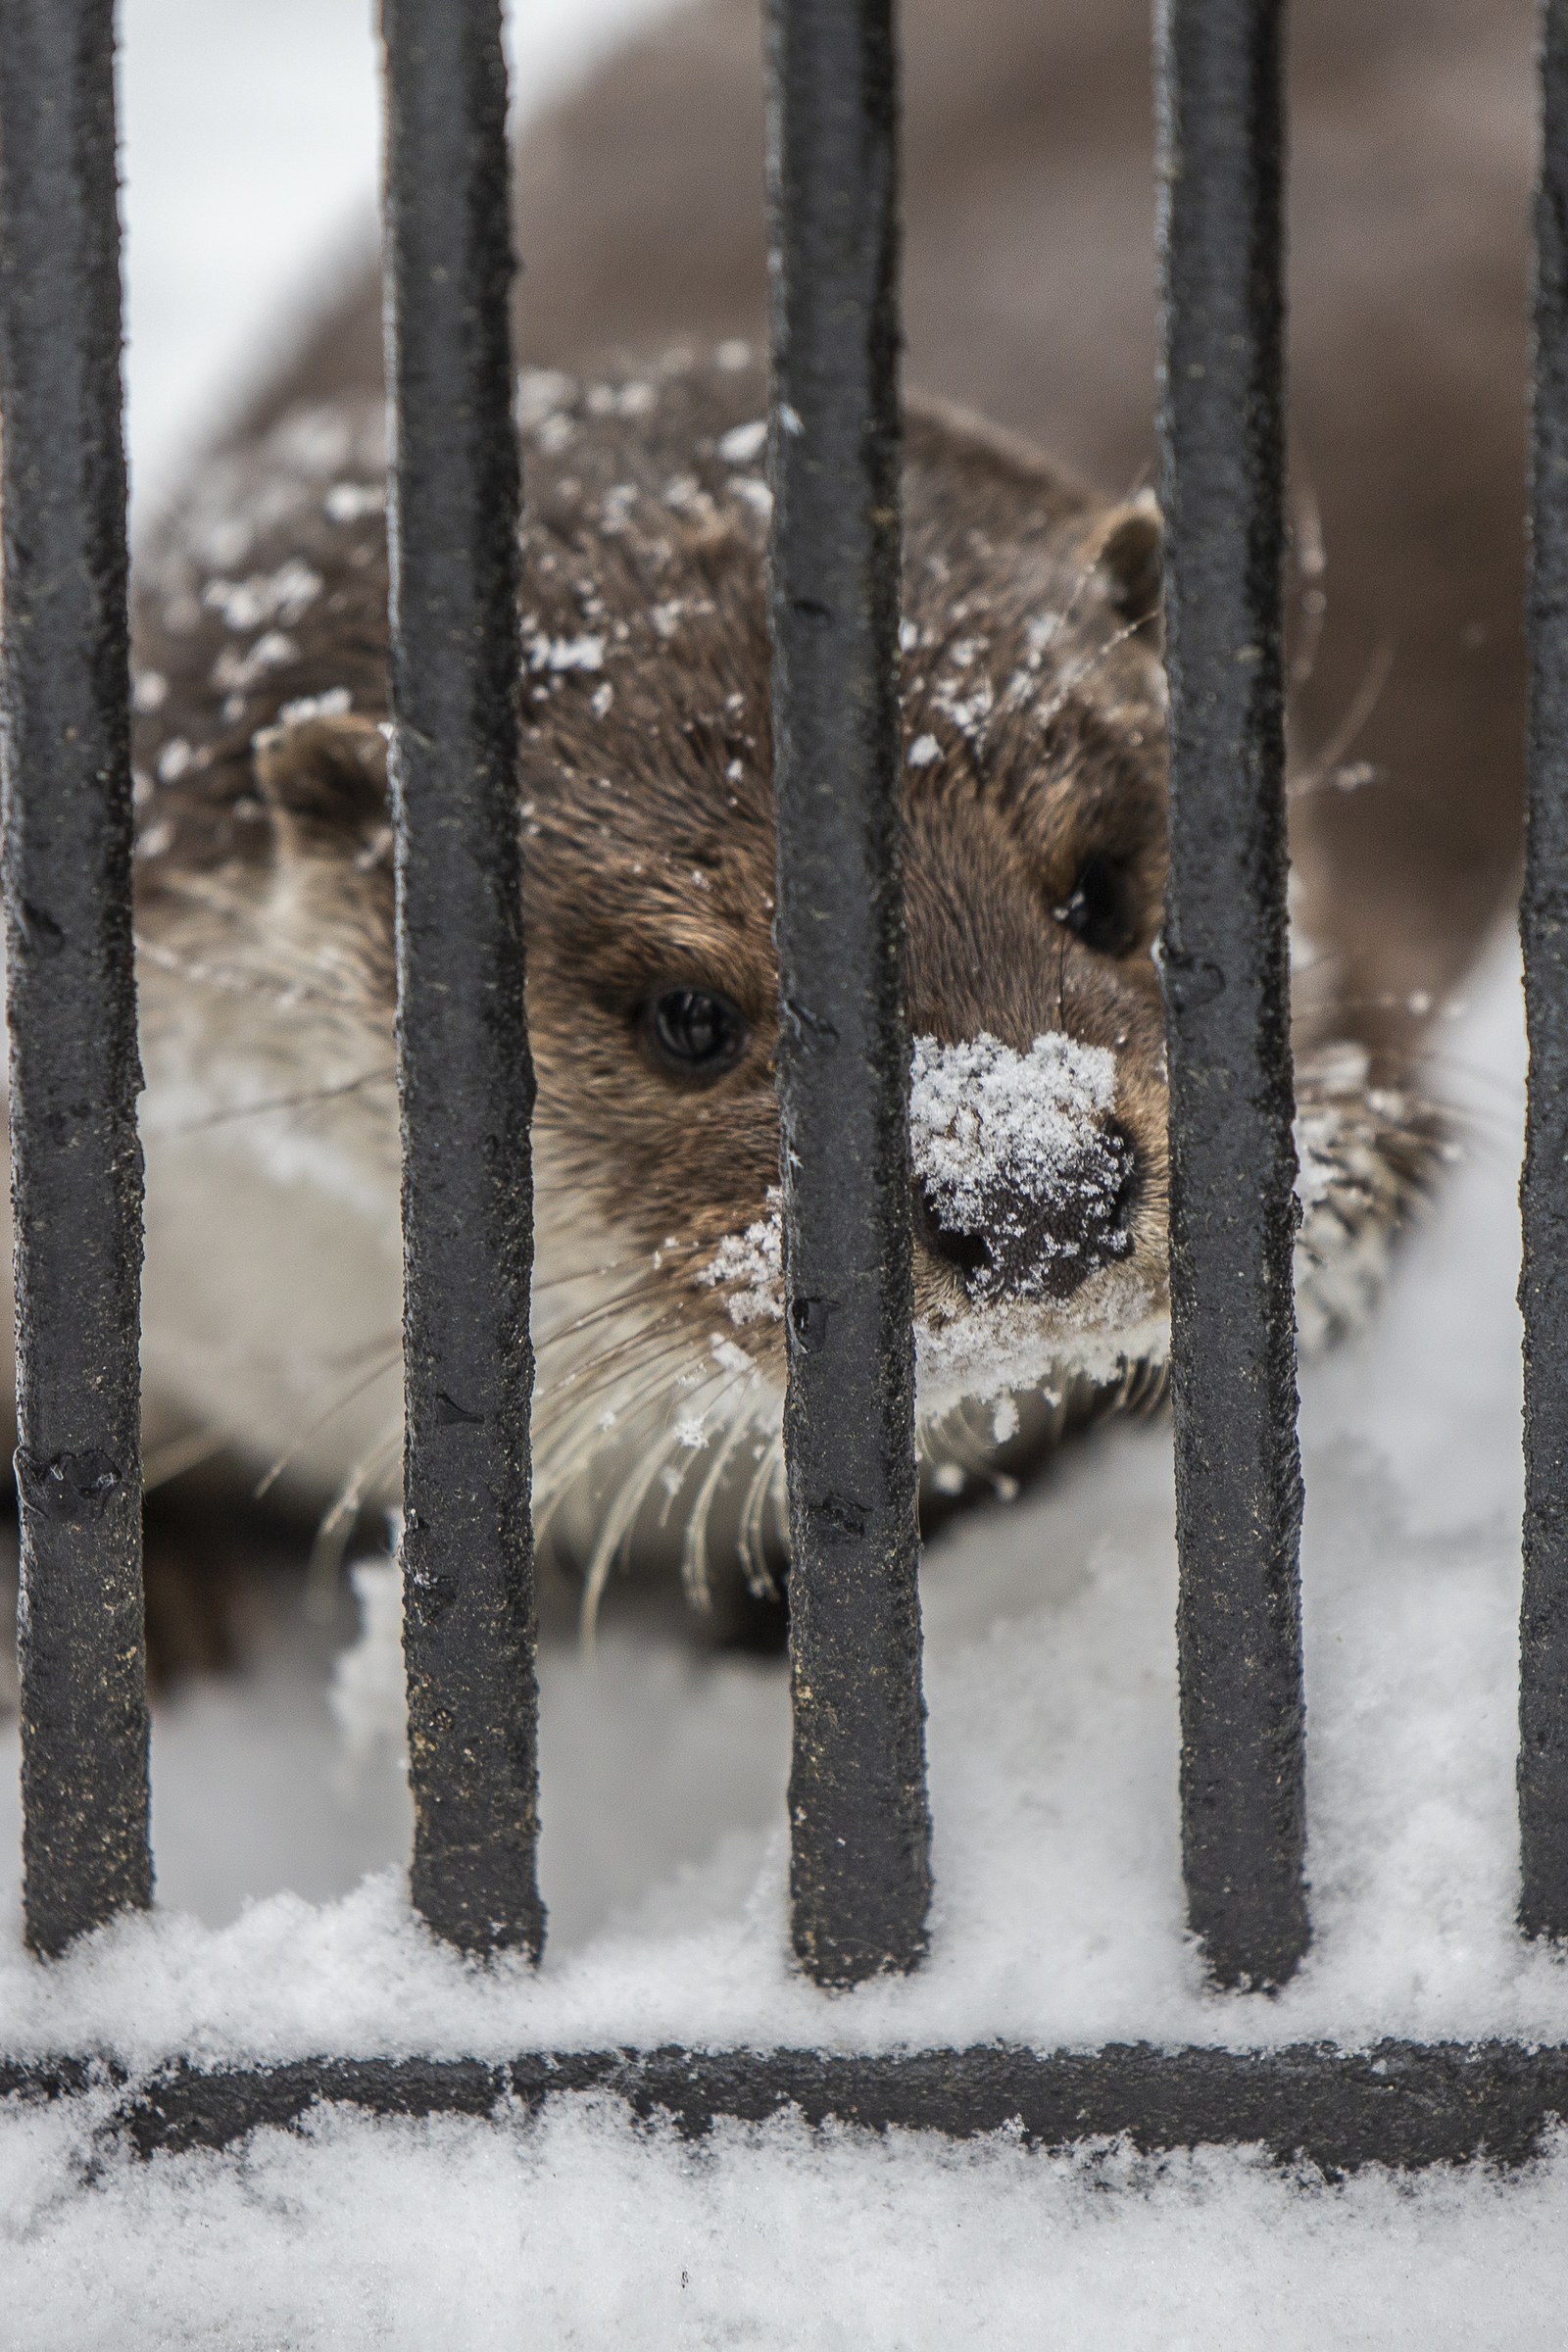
(1227, 987)
(1393, 2103)
(860, 1869)
(1544, 925)
(71, 983)
(464, 1075)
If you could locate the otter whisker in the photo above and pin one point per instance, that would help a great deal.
(594, 1273)
(561, 1432)
(633, 1358)
(339, 1405)
(333, 1532)
(1309, 564)
(309, 1098)
(767, 1485)
(694, 1551)
(617, 1526)
(239, 980)
(180, 1454)
(603, 1312)
(1362, 704)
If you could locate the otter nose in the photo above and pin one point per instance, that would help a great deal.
(1024, 1244)
(1023, 1184)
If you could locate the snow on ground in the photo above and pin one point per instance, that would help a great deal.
(1053, 1741)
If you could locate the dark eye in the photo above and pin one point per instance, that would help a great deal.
(692, 1032)
(1096, 910)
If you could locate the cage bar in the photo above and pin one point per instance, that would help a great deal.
(861, 1830)
(859, 1868)
(1226, 987)
(465, 1076)
(71, 997)
(1393, 2103)
(1543, 929)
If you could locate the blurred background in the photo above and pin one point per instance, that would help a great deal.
(250, 155)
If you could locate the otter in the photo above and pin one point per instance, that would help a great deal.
(1034, 768)
(1034, 764)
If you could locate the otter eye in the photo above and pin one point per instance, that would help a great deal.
(1096, 910)
(692, 1032)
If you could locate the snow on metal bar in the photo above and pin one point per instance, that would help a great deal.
(860, 1829)
(464, 1075)
(1544, 924)
(1227, 987)
(71, 986)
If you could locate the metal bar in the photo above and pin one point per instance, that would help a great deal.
(70, 996)
(1395, 2103)
(464, 1074)
(859, 1868)
(1227, 987)
(1543, 929)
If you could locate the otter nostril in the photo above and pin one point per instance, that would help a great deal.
(1129, 1193)
(967, 1251)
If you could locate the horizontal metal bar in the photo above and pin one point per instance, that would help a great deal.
(464, 1072)
(860, 1867)
(1227, 988)
(1400, 2103)
(1543, 928)
(76, 1173)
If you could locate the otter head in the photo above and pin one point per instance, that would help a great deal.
(1033, 860)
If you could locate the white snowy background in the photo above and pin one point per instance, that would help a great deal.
(282, 1928)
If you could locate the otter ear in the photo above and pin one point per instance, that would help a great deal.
(324, 780)
(1126, 551)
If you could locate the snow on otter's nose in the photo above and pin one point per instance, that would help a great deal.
(1022, 1176)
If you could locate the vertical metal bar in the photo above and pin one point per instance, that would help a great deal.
(860, 1870)
(466, 1078)
(71, 984)
(1543, 927)
(1227, 987)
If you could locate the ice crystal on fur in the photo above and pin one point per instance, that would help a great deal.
(754, 1261)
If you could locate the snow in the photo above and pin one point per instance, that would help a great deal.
(996, 1136)
(750, 1267)
(587, 2229)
